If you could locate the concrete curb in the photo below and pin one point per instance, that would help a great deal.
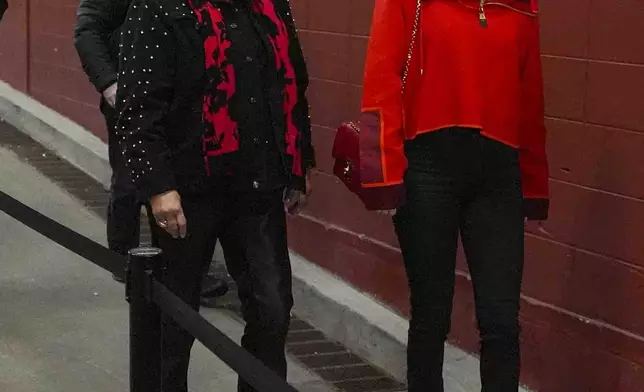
(56, 132)
(352, 318)
(371, 330)
(360, 323)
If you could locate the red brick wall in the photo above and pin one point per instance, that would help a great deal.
(37, 56)
(583, 310)
(13, 45)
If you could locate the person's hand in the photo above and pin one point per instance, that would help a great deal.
(168, 214)
(295, 200)
(110, 95)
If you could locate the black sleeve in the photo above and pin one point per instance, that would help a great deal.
(301, 111)
(3, 7)
(145, 91)
(96, 22)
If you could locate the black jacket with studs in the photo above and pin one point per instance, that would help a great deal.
(212, 93)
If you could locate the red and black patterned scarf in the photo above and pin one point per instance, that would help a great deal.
(222, 136)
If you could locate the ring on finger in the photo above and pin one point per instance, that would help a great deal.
(162, 224)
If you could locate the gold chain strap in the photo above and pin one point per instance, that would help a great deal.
(414, 35)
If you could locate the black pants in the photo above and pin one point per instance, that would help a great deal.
(252, 230)
(461, 182)
(124, 209)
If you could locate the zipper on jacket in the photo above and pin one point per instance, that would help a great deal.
(531, 14)
(482, 16)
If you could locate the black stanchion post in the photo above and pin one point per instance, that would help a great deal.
(145, 320)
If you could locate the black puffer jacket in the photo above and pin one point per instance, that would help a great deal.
(3, 7)
(97, 38)
(161, 98)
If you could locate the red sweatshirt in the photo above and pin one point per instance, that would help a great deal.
(471, 66)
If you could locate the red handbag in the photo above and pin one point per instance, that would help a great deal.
(346, 151)
(534, 4)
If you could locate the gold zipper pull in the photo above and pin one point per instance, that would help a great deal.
(482, 17)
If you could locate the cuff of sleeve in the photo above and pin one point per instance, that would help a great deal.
(156, 183)
(536, 209)
(298, 183)
(384, 198)
(105, 81)
(309, 158)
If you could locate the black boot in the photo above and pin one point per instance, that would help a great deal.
(118, 278)
(213, 287)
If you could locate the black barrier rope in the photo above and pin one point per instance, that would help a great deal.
(62, 235)
(249, 368)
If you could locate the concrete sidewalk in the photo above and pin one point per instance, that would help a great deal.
(63, 321)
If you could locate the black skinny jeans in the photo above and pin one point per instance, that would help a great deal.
(459, 181)
(252, 231)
